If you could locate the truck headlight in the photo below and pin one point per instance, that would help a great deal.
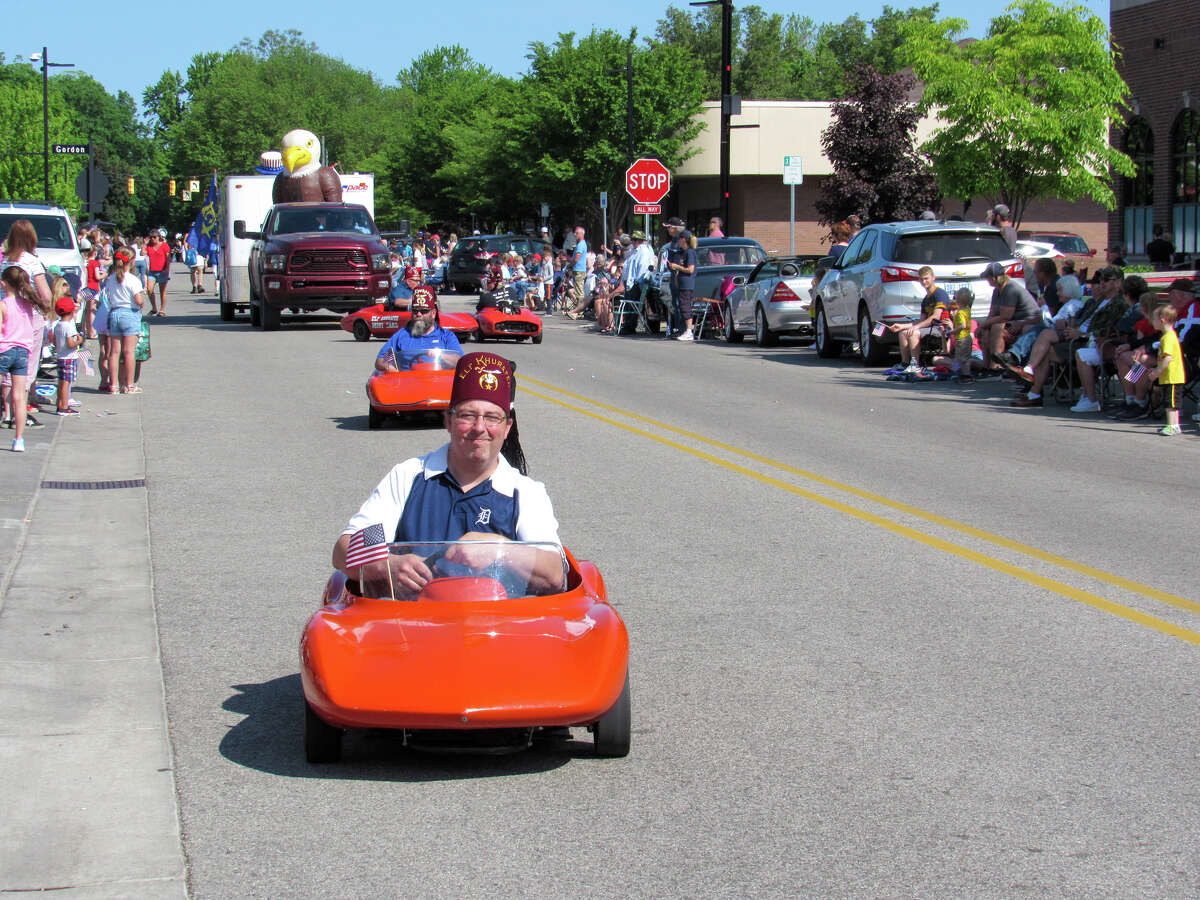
(380, 262)
(276, 262)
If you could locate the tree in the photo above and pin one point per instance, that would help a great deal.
(1027, 110)
(871, 143)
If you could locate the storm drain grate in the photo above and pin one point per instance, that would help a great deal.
(94, 485)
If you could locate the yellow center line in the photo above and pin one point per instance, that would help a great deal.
(1057, 587)
(1024, 549)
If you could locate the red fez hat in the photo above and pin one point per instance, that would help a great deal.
(484, 376)
(411, 272)
(423, 297)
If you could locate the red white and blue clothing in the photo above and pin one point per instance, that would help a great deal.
(419, 501)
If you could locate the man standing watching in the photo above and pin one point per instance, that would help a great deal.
(1160, 250)
(579, 264)
(1004, 223)
(682, 263)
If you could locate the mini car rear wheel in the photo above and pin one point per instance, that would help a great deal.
(374, 418)
(322, 742)
(611, 731)
(537, 338)
(362, 331)
(732, 335)
(476, 336)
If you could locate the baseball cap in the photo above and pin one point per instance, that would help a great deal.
(673, 222)
(1182, 284)
(1001, 210)
(64, 306)
(993, 270)
(638, 236)
(626, 240)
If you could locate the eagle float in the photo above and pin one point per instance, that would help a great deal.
(303, 177)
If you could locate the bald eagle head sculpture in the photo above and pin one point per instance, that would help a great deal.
(303, 177)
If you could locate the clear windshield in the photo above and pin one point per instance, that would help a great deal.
(297, 221)
(53, 232)
(431, 360)
(463, 571)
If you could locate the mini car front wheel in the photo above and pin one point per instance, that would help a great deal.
(322, 742)
(611, 731)
(537, 338)
(362, 331)
(374, 418)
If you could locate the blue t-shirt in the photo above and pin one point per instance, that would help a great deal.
(400, 291)
(404, 346)
(579, 259)
(680, 281)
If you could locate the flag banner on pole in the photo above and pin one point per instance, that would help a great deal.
(203, 235)
(1136, 373)
(366, 545)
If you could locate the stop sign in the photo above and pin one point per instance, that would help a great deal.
(647, 181)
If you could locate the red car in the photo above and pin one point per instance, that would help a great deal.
(481, 659)
(499, 315)
(422, 384)
(382, 321)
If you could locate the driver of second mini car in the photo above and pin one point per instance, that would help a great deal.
(473, 488)
(420, 335)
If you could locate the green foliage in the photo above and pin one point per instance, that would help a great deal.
(1027, 109)
(776, 57)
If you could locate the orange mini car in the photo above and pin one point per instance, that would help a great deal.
(499, 315)
(422, 384)
(382, 321)
(481, 659)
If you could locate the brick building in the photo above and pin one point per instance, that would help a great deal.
(759, 199)
(1160, 45)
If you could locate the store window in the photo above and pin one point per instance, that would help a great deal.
(1185, 176)
(1138, 197)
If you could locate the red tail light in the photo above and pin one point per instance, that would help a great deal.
(898, 273)
(783, 294)
(1016, 270)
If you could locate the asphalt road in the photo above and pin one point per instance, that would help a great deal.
(887, 640)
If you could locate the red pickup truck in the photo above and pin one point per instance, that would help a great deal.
(312, 256)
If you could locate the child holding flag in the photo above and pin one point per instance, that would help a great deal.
(67, 341)
(1169, 370)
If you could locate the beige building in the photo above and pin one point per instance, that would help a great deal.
(759, 200)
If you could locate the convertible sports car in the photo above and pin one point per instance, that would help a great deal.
(773, 299)
(381, 322)
(500, 316)
(422, 384)
(481, 659)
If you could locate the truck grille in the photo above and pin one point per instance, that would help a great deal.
(328, 260)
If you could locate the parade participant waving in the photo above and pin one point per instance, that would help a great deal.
(473, 488)
(421, 334)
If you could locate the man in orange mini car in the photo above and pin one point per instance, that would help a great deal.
(474, 488)
(422, 333)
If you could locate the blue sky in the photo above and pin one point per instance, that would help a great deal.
(380, 37)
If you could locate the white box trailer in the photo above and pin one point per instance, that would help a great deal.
(248, 197)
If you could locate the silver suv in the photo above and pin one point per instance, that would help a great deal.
(56, 245)
(876, 280)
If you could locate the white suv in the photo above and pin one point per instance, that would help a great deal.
(56, 244)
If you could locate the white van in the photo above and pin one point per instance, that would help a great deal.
(56, 243)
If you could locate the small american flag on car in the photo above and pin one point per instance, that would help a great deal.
(1135, 374)
(879, 329)
(366, 545)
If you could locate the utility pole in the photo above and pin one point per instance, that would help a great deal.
(727, 100)
(46, 66)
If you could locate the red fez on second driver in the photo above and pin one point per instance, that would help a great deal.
(423, 297)
(484, 376)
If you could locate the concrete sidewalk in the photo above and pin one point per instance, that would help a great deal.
(85, 761)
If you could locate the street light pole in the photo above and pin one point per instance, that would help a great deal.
(726, 95)
(46, 66)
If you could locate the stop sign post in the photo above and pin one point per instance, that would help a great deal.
(647, 181)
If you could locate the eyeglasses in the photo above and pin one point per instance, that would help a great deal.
(491, 420)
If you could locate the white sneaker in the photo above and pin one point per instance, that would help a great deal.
(1086, 405)
(73, 403)
(912, 367)
(18, 445)
(686, 336)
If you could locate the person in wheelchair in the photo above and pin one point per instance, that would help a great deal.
(423, 333)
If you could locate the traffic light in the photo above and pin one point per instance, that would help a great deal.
(129, 185)
(171, 187)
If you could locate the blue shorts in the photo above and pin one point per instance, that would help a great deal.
(14, 361)
(161, 277)
(124, 322)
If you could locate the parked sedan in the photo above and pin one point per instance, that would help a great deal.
(877, 281)
(773, 299)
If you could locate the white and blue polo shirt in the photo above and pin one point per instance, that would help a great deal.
(419, 500)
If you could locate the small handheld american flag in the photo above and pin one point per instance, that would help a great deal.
(879, 329)
(1135, 374)
(366, 545)
(85, 355)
